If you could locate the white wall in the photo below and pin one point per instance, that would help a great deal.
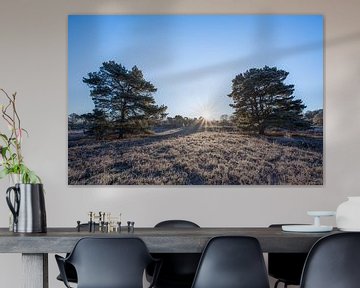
(33, 62)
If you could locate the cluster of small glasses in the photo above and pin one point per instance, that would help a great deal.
(103, 222)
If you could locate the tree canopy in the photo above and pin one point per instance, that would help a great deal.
(123, 98)
(262, 100)
(315, 117)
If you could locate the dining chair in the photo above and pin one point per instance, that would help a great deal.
(286, 267)
(178, 269)
(232, 262)
(333, 262)
(70, 271)
(108, 263)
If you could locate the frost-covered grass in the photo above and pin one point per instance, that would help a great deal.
(196, 158)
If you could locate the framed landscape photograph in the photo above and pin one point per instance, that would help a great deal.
(195, 100)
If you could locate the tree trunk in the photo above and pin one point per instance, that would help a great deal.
(261, 130)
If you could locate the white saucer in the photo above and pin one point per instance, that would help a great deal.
(306, 228)
(321, 213)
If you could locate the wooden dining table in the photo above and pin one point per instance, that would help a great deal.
(35, 247)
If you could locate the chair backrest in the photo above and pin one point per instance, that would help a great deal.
(232, 262)
(110, 262)
(286, 266)
(333, 262)
(178, 269)
(176, 224)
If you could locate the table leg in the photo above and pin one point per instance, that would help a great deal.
(35, 270)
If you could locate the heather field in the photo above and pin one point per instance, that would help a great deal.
(186, 156)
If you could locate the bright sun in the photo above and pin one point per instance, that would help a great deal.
(206, 111)
(206, 114)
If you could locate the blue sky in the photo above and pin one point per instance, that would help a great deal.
(191, 59)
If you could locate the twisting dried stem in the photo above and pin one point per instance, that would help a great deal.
(6, 117)
(12, 161)
(14, 123)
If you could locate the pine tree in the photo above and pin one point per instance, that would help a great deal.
(262, 100)
(125, 97)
